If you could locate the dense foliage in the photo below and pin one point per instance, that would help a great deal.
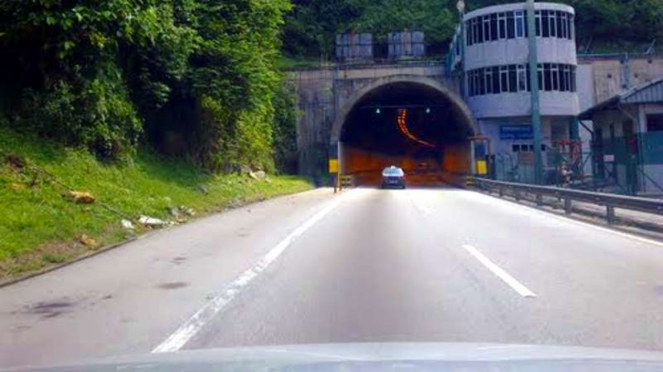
(196, 76)
(285, 130)
(311, 27)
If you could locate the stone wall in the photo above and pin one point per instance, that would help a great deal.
(613, 75)
(324, 93)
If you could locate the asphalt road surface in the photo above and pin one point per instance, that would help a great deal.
(367, 265)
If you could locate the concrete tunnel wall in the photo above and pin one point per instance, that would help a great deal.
(453, 157)
(325, 97)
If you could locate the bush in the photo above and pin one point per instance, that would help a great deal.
(96, 114)
(199, 74)
(285, 131)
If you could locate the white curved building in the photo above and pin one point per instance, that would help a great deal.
(497, 80)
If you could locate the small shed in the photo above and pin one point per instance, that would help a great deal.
(628, 138)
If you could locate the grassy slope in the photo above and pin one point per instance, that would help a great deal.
(39, 227)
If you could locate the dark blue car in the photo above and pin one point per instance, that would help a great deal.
(393, 177)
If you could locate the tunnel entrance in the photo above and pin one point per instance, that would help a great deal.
(412, 125)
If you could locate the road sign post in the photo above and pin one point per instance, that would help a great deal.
(333, 170)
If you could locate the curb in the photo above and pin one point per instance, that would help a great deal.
(8, 282)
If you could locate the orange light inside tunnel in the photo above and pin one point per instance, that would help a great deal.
(402, 126)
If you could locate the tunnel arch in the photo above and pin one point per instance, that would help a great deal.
(346, 108)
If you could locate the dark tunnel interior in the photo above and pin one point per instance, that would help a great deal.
(405, 119)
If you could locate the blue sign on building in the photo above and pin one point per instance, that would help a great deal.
(516, 132)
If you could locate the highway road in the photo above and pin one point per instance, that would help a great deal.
(367, 265)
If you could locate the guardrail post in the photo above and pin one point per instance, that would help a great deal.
(610, 214)
(501, 191)
(567, 206)
(539, 200)
(516, 194)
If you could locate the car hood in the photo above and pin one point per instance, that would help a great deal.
(378, 357)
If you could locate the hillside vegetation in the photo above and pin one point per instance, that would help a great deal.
(192, 78)
(148, 105)
(310, 29)
(41, 225)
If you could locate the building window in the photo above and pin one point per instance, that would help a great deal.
(510, 26)
(545, 26)
(475, 30)
(475, 78)
(496, 80)
(513, 79)
(482, 82)
(479, 30)
(504, 78)
(489, 80)
(563, 78)
(563, 24)
(553, 77)
(547, 78)
(520, 24)
(522, 79)
(493, 27)
(468, 33)
(501, 17)
(553, 24)
(655, 123)
(522, 148)
(539, 75)
(560, 32)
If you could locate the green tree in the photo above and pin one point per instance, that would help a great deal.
(312, 26)
(197, 76)
(64, 74)
(433, 17)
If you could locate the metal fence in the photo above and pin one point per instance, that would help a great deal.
(628, 165)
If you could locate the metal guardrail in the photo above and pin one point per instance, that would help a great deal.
(610, 201)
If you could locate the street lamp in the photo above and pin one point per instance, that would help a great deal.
(460, 5)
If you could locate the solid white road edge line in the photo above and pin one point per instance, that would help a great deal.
(192, 326)
(508, 279)
(576, 222)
